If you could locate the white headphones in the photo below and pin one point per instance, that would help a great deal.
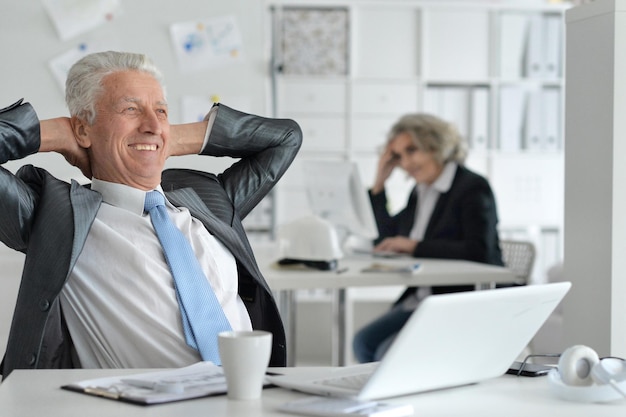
(583, 377)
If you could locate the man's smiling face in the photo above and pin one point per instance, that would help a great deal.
(128, 142)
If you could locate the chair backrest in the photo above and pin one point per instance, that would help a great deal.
(519, 256)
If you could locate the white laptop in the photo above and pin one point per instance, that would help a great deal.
(451, 340)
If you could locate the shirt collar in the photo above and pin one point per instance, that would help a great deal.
(122, 196)
(443, 183)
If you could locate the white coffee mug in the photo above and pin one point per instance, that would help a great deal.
(245, 356)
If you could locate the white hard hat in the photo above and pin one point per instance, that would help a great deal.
(310, 238)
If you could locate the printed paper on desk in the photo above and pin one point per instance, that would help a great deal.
(198, 380)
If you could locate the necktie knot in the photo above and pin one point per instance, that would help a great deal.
(153, 199)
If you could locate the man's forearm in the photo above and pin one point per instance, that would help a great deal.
(187, 139)
(56, 134)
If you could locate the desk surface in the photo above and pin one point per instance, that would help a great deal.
(432, 272)
(37, 393)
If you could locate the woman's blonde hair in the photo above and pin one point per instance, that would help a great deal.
(432, 134)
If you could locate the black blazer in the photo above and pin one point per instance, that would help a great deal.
(49, 220)
(463, 224)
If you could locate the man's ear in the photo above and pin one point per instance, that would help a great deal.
(81, 132)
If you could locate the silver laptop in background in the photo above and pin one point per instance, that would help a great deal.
(450, 340)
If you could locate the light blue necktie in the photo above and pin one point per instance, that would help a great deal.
(203, 317)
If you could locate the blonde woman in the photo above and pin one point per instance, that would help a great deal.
(451, 213)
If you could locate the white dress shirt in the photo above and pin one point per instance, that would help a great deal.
(119, 302)
(428, 195)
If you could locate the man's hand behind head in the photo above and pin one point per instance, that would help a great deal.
(57, 136)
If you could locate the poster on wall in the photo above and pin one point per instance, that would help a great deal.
(315, 41)
(206, 44)
(61, 64)
(74, 17)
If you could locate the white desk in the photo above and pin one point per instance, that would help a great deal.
(37, 393)
(433, 272)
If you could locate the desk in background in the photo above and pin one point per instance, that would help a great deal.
(285, 282)
(37, 393)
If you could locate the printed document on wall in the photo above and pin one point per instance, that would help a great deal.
(60, 65)
(74, 17)
(207, 44)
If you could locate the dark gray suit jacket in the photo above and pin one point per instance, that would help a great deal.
(49, 220)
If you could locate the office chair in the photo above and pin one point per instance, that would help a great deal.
(518, 256)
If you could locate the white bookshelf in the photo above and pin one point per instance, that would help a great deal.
(495, 69)
(489, 67)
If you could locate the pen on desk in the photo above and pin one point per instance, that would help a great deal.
(342, 270)
(102, 392)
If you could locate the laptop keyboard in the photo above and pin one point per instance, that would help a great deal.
(349, 381)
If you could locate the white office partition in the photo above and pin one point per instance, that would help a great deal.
(595, 176)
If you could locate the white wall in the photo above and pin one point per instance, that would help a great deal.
(595, 177)
(30, 41)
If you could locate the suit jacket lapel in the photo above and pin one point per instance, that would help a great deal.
(85, 204)
(437, 214)
(187, 197)
(442, 203)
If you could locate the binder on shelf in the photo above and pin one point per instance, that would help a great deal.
(534, 137)
(479, 126)
(553, 43)
(449, 103)
(552, 118)
(455, 102)
(511, 111)
(513, 35)
(535, 48)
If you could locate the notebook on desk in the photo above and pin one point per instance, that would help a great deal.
(450, 340)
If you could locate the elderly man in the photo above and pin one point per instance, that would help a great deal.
(99, 287)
